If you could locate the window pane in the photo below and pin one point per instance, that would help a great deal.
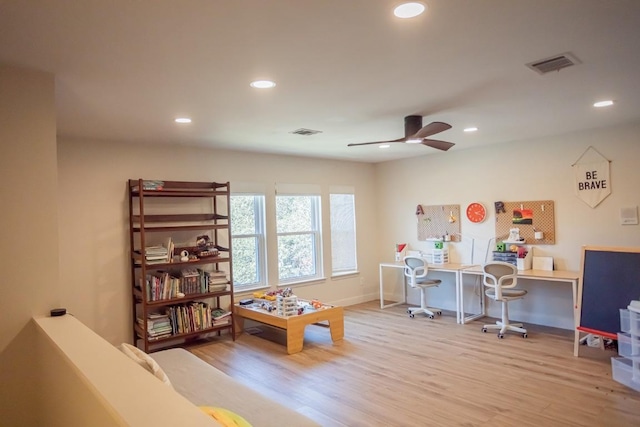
(245, 261)
(294, 214)
(248, 244)
(343, 232)
(243, 215)
(296, 256)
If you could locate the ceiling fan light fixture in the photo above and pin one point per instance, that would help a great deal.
(409, 10)
(601, 104)
(183, 120)
(262, 84)
(414, 141)
(471, 129)
(384, 146)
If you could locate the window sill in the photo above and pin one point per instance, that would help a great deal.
(302, 282)
(345, 275)
(249, 291)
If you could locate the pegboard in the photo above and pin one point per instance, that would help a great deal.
(437, 221)
(526, 216)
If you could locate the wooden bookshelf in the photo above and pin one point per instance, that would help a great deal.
(176, 214)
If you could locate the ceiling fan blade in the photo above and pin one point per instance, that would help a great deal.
(440, 145)
(377, 142)
(431, 129)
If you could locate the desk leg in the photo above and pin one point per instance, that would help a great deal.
(404, 290)
(576, 338)
(459, 298)
(483, 305)
(381, 288)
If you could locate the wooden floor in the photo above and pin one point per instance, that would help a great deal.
(391, 370)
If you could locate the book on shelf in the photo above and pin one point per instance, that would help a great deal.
(219, 313)
(168, 244)
(161, 285)
(223, 321)
(158, 326)
(190, 272)
(156, 255)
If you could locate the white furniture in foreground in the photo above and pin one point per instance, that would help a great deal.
(204, 385)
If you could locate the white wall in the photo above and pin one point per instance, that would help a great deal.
(29, 246)
(520, 171)
(94, 227)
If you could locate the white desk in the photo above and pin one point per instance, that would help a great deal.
(455, 268)
(569, 277)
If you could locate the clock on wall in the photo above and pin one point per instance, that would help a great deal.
(476, 212)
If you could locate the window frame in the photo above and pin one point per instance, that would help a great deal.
(315, 232)
(261, 242)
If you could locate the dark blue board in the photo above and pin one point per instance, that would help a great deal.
(610, 280)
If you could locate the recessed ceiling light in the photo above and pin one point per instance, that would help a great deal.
(409, 10)
(384, 146)
(183, 120)
(606, 103)
(262, 84)
(471, 129)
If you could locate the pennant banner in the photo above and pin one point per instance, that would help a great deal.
(592, 180)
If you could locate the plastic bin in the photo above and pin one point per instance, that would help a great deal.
(629, 346)
(630, 322)
(622, 371)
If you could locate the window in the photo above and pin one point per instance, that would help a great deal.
(299, 237)
(343, 233)
(248, 241)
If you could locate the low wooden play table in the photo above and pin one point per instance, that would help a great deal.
(293, 325)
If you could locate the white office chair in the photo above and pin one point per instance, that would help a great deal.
(501, 278)
(416, 269)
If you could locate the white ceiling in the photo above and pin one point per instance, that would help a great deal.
(126, 68)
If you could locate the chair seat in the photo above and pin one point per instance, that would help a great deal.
(430, 282)
(507, 293)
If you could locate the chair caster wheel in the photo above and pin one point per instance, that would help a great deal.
(500, 336)
(411, 315)
(408, 311)
(431, 316)
(524, 335)
(484, 330)
(439, 313)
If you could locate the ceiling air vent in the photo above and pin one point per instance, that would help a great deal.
(554, 63)
(305, 132)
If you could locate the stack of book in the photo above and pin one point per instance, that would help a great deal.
(158, 326)
(156, 254)
(217, 281)
(159, 254)
(220, 317)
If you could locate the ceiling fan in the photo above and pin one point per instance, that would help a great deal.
(415, 133)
